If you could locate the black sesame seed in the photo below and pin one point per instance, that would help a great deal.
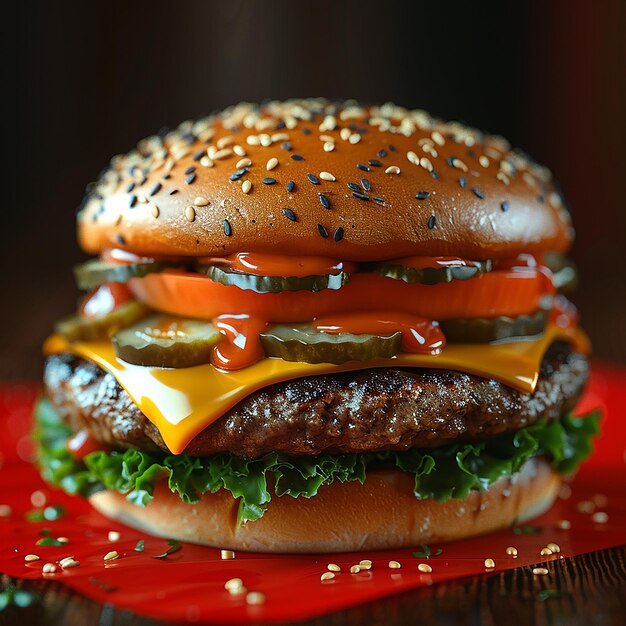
(382, 153)
(471, 153)
(156, 189)
(132, 201)
(363, 167)
(366, 184)
(291, 186)
(228, 231)
(505, 206)
(190, 170)
(354, 187)
(173, 192)
(142, 181)
(297, 157)
(432, 222)
(290, 215)
(120, 239)
(375, 163)
(463, 182)
(322, 231)
(338, 234)
(450, 161)
(198, 155)
(434, 173)
(360, 196)
(422, 195)
(130, 187)
(269, 181)
(306, 131)
(167, 176)
(238, 174)
(478, 193)
(286, 146)
(313, 179)
(392, 148)
(378, 199)
(324, 201)
(540, 198)
(190, 178)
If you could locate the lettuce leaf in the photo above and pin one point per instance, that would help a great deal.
(451, 471)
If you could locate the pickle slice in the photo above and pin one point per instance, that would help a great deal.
(564, 276)
(164, 341)
(76, 328)
(430, 275)
(95, 272)
(482, 330)
(273, 284)
(302, 342)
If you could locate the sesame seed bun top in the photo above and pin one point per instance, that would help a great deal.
(312, 177)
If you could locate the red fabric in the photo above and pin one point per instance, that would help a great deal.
(189, 584)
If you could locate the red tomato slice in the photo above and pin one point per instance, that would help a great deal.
(495, 293)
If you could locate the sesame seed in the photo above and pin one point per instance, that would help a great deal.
(228, 231)
(438, 138)
(198, 155)
(31, 557)
(255, 597)
(239, 150)
(190, 213)
(355, 187)
(190, 178)
(563, 524)
(313, 179)
(505, 205)
(68, 563)
(555, 547)
(354, 138)
(269, 181)
(206, 162)
(280, 137)
(291, 186)
(132, 201)
(324, 201)
(600, 517)
(306, 131)
(222, 154)
(155, 189)
(246, 186)
(490, 563)
(412, 157)
(233, 583)
(327, 138)
(201, 201)
(114, 535)
(394, 565)
(333, 567)
(586, 506)
(5, 510)
(290, 215)
(363, 167)
(243, 163)
(511, 551)
(63, 540)
(322, 231)
(355, 569)
(238, 174)
(382, 153)
(224, 141)
(375, 163)
(329, 146)
(424, 568)
(286, 146)
(297, 157)
(360, 196)
(49, 568)
(392, 169)
(120, 239)
(365, 564)
(111, 555)
(432, 222)
(118, 220)
(327, 176)
(327, 576)
(271, 164)
(367, 186)
(378, 199)
(545, 552)
(483, 160)
(540, 571)
(191, 169)
(462, 182)
(478, 193)
(345, 133)
(227, 555)
(422, 195)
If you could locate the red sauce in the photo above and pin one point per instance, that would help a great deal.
(261, 264)
(419, 335)
(82, 443)
(104, 300)
(242, 346)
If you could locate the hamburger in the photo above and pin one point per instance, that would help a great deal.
(312, 326)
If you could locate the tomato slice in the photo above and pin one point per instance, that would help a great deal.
(495, 293)
(104, 300)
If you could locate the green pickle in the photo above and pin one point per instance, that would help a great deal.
(95, 272)
(166, 341)
(302, 342)
(483, 330)
(77, 328)
(273, 284)
(430, 275)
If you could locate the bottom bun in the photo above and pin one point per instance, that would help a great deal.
(343, 517)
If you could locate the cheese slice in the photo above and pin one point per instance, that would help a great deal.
(182, 402)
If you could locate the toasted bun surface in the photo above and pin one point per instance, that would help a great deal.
(382, 513)
(174, 195)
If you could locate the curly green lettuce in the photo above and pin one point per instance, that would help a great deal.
(451, 471)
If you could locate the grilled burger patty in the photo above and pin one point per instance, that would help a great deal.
(361, 411)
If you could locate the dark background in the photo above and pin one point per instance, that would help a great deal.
(86, 80)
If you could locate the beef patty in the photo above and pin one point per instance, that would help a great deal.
(361, 411)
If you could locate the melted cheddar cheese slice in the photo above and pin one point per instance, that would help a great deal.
(182, 402)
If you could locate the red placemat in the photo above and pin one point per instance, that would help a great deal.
(188, 584)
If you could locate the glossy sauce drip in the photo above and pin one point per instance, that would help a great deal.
(261, 264)
(242, 344)
(419, 335)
